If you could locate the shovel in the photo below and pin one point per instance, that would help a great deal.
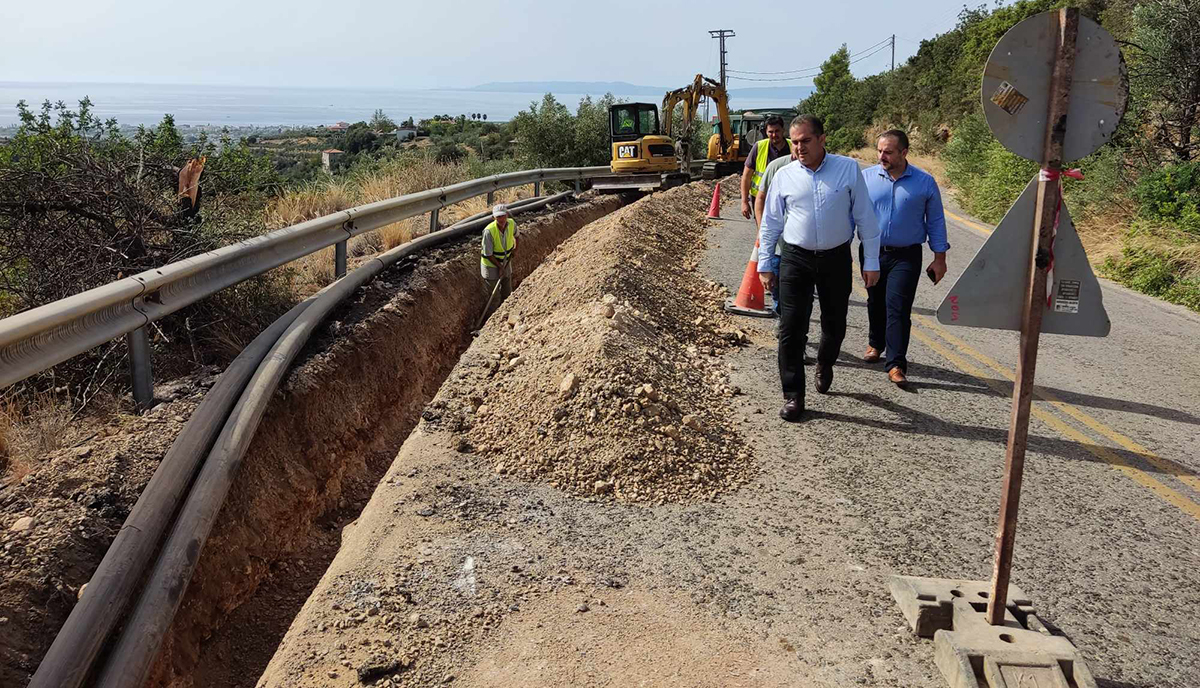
(484, 314)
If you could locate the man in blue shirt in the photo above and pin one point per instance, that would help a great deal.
(815, 204)
(909, 207)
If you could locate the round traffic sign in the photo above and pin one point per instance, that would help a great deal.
(1016, 87)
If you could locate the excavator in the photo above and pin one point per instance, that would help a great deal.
(726, 149)
(640, 152)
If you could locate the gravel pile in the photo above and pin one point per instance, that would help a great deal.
(601, 375)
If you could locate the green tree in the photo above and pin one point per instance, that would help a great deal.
(81, 205)
(1164, 56)
(832, 102)
(591, 145)
(382, 123)
(544, 133)
(359, 138)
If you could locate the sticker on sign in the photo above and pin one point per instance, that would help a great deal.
(1008, 98)
(1066, 296)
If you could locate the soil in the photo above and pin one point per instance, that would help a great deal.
(66, 511)
(456, 573)
(605, 378)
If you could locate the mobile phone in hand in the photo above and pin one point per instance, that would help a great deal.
(932, 275)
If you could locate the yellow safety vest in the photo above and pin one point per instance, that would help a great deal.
(502, 246)
(762, 150)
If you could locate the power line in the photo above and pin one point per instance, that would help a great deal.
(722, 34)
(806, 69)
(810, 76)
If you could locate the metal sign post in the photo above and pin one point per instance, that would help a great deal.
(1053, 90)
(1048, 201)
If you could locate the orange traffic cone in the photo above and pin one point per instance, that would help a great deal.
(714, 208)
(750, 299)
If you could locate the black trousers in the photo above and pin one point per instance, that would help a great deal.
(890, 302)
(799, 271)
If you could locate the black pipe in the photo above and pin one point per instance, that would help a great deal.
(70, 657)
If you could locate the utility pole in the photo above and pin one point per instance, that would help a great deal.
(722, 34)
(893, 53)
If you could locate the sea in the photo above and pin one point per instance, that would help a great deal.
(268, 106)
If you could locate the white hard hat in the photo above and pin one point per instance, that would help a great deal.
(499, 210)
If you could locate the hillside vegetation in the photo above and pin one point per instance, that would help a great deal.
(1138, 208)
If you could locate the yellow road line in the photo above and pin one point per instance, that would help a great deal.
(1139, 476)
(1167, 494)
(1166, 465)
(982, 229)
(1182, 473)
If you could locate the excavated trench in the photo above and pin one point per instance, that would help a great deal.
(328, 435)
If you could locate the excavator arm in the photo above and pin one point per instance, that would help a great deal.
(717, 93)
(690, 96)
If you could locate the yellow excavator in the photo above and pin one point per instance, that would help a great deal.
(640, 152)
(726, 153)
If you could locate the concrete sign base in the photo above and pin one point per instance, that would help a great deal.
(971, 653)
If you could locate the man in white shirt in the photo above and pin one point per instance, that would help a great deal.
(815, 203)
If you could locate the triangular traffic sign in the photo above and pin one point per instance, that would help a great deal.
(991, 291)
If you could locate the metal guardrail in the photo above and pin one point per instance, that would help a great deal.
(39, 338)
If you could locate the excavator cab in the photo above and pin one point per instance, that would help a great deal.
(640, 152)
(638, 146)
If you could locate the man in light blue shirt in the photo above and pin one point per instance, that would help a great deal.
(909, 207)
(815, 203)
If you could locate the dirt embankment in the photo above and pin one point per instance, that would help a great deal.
(597, 389)
(605, 381)
(327, 436)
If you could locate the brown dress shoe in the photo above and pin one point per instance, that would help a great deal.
(873, 355)
(792, 408)
(896, 375)
(824, 378)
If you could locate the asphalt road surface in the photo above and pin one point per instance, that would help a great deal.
(1108, 544)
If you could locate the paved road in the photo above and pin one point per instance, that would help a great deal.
(1109, 540)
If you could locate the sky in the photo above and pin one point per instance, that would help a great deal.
(448, 44)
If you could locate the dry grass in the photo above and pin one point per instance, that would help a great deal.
(1102, 236)
(31, 427)
(929, 163)
(309, 202)
(389, 180)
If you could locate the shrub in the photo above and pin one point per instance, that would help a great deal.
(1171, 194)
(81, 205)
(449, 151)
(1160, 262)
(989, 178)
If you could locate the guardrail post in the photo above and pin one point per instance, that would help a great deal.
(491, 198)
(433, 220)
(141, 376)
(537, 188)
(339, 260)
(578, 186)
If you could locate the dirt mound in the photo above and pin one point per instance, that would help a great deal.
(601, 376)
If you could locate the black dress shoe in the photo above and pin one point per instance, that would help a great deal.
(824, 378)
(792, 408)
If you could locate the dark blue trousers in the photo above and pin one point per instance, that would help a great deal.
(890, 301)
